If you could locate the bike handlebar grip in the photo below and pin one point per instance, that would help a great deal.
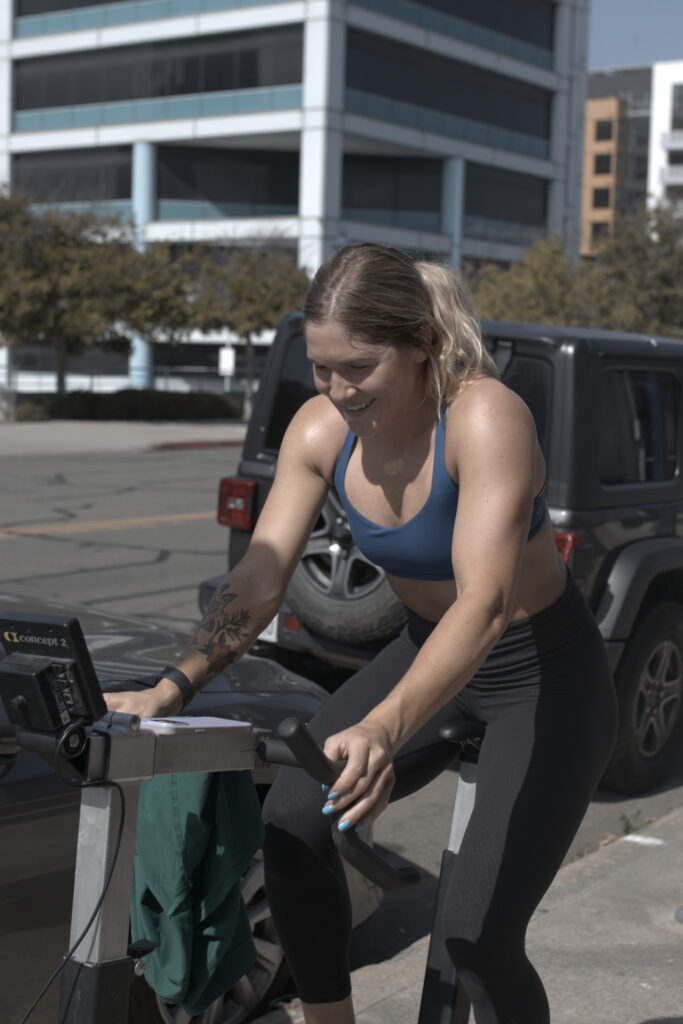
(307, 751)
(366, 860)
(351, 847)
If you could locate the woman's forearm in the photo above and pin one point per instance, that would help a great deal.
(242, 605)
(457, 647)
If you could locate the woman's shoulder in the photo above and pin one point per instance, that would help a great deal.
(486, 400)
(317, 432)
(486, 410)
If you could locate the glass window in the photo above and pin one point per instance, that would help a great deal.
(264, 58)
(603, 130)
(24, 8)
(599, 231)
(497, 194)
(530, 20)
(194, 173)
(676, 157)
(391, 183)
(295, 386)
(74, 175)
(379, 66)
(677, 109)
(603, 163)
(639, 426)
(601, 198)
(639, 132)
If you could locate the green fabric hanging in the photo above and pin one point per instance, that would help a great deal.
(196, 835)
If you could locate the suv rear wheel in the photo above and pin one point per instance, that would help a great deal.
(649, 683)
(336, 591)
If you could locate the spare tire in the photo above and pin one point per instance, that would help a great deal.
(336, 591)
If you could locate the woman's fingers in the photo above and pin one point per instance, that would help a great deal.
(362, 790)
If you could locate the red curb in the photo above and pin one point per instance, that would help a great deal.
(166, 445)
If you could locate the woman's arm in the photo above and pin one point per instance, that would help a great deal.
(251, 593)
(492, 435)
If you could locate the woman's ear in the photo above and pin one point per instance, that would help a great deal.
(424, 342)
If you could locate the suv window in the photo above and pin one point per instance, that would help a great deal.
(531, 378)
(295, 386)
(639, 426)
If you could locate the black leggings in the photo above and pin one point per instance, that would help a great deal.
(546, 696)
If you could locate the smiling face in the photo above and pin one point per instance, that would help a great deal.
(374, 387)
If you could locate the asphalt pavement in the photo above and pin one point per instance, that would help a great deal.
(607, 938)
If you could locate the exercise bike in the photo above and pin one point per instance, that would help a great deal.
(56, 705)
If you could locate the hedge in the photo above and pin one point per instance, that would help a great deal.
(130, 404)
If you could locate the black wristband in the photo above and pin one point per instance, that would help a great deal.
(187, 690)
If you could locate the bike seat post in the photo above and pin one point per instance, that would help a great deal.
(444, 1000)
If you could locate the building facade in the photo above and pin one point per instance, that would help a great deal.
(633, 145)
(665, 172)
(448, 126)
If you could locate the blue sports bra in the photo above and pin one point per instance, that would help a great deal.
(420, 548)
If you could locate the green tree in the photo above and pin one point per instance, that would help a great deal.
(247, 291)
(72, 280)
(635, 283)
(541, 288)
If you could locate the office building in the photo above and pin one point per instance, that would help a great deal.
(447, 126)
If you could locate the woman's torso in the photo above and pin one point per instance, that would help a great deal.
(390, 491)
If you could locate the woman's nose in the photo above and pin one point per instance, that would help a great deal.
(340, 389)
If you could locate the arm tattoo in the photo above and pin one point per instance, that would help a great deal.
(221, 630)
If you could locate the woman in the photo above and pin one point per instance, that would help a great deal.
(411, 425)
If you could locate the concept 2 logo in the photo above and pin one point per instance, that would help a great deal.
(12, 637)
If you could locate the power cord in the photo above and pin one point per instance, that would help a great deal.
(117, 847)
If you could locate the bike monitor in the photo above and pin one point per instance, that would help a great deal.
(47, 678)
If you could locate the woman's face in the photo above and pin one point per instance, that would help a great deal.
(372, 386)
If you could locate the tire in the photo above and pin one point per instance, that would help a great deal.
(336, 591)
(649, 682)
(252, 993)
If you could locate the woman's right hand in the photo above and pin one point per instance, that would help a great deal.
(156, 702)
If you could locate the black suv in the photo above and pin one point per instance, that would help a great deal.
(608, 413)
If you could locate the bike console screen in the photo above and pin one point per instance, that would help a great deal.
(47, 679)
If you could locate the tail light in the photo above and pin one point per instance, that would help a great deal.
(567, 542)
(235, 503)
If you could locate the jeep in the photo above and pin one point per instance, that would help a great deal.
(607, 408)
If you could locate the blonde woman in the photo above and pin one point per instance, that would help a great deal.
(440, 472)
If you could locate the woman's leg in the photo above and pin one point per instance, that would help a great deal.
(305, 879)
(545, 749)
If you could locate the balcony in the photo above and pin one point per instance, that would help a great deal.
(130, 12)
(214, 104)
(467, 31)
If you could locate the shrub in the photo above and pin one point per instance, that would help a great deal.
(130, 404)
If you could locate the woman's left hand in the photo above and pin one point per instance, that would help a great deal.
(363, 789)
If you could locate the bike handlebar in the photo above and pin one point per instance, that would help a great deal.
(298, 748)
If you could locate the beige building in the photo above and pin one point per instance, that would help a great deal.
(603, 167)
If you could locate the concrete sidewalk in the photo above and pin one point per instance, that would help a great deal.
(77, 437)
(605, 940)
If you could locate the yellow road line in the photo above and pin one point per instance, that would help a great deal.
(76, 526)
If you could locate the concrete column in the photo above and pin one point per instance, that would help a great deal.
(453, 206)
(144, 205)
(321, 153)
(566, 148)
(5, 91)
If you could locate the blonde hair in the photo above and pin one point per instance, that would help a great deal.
(383, 296)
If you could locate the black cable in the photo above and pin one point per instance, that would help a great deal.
(117, 847)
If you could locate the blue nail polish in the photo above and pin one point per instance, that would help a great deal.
(333, 796)
(324, 787)
(343, 825)
(359, 828)
(328, 810)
